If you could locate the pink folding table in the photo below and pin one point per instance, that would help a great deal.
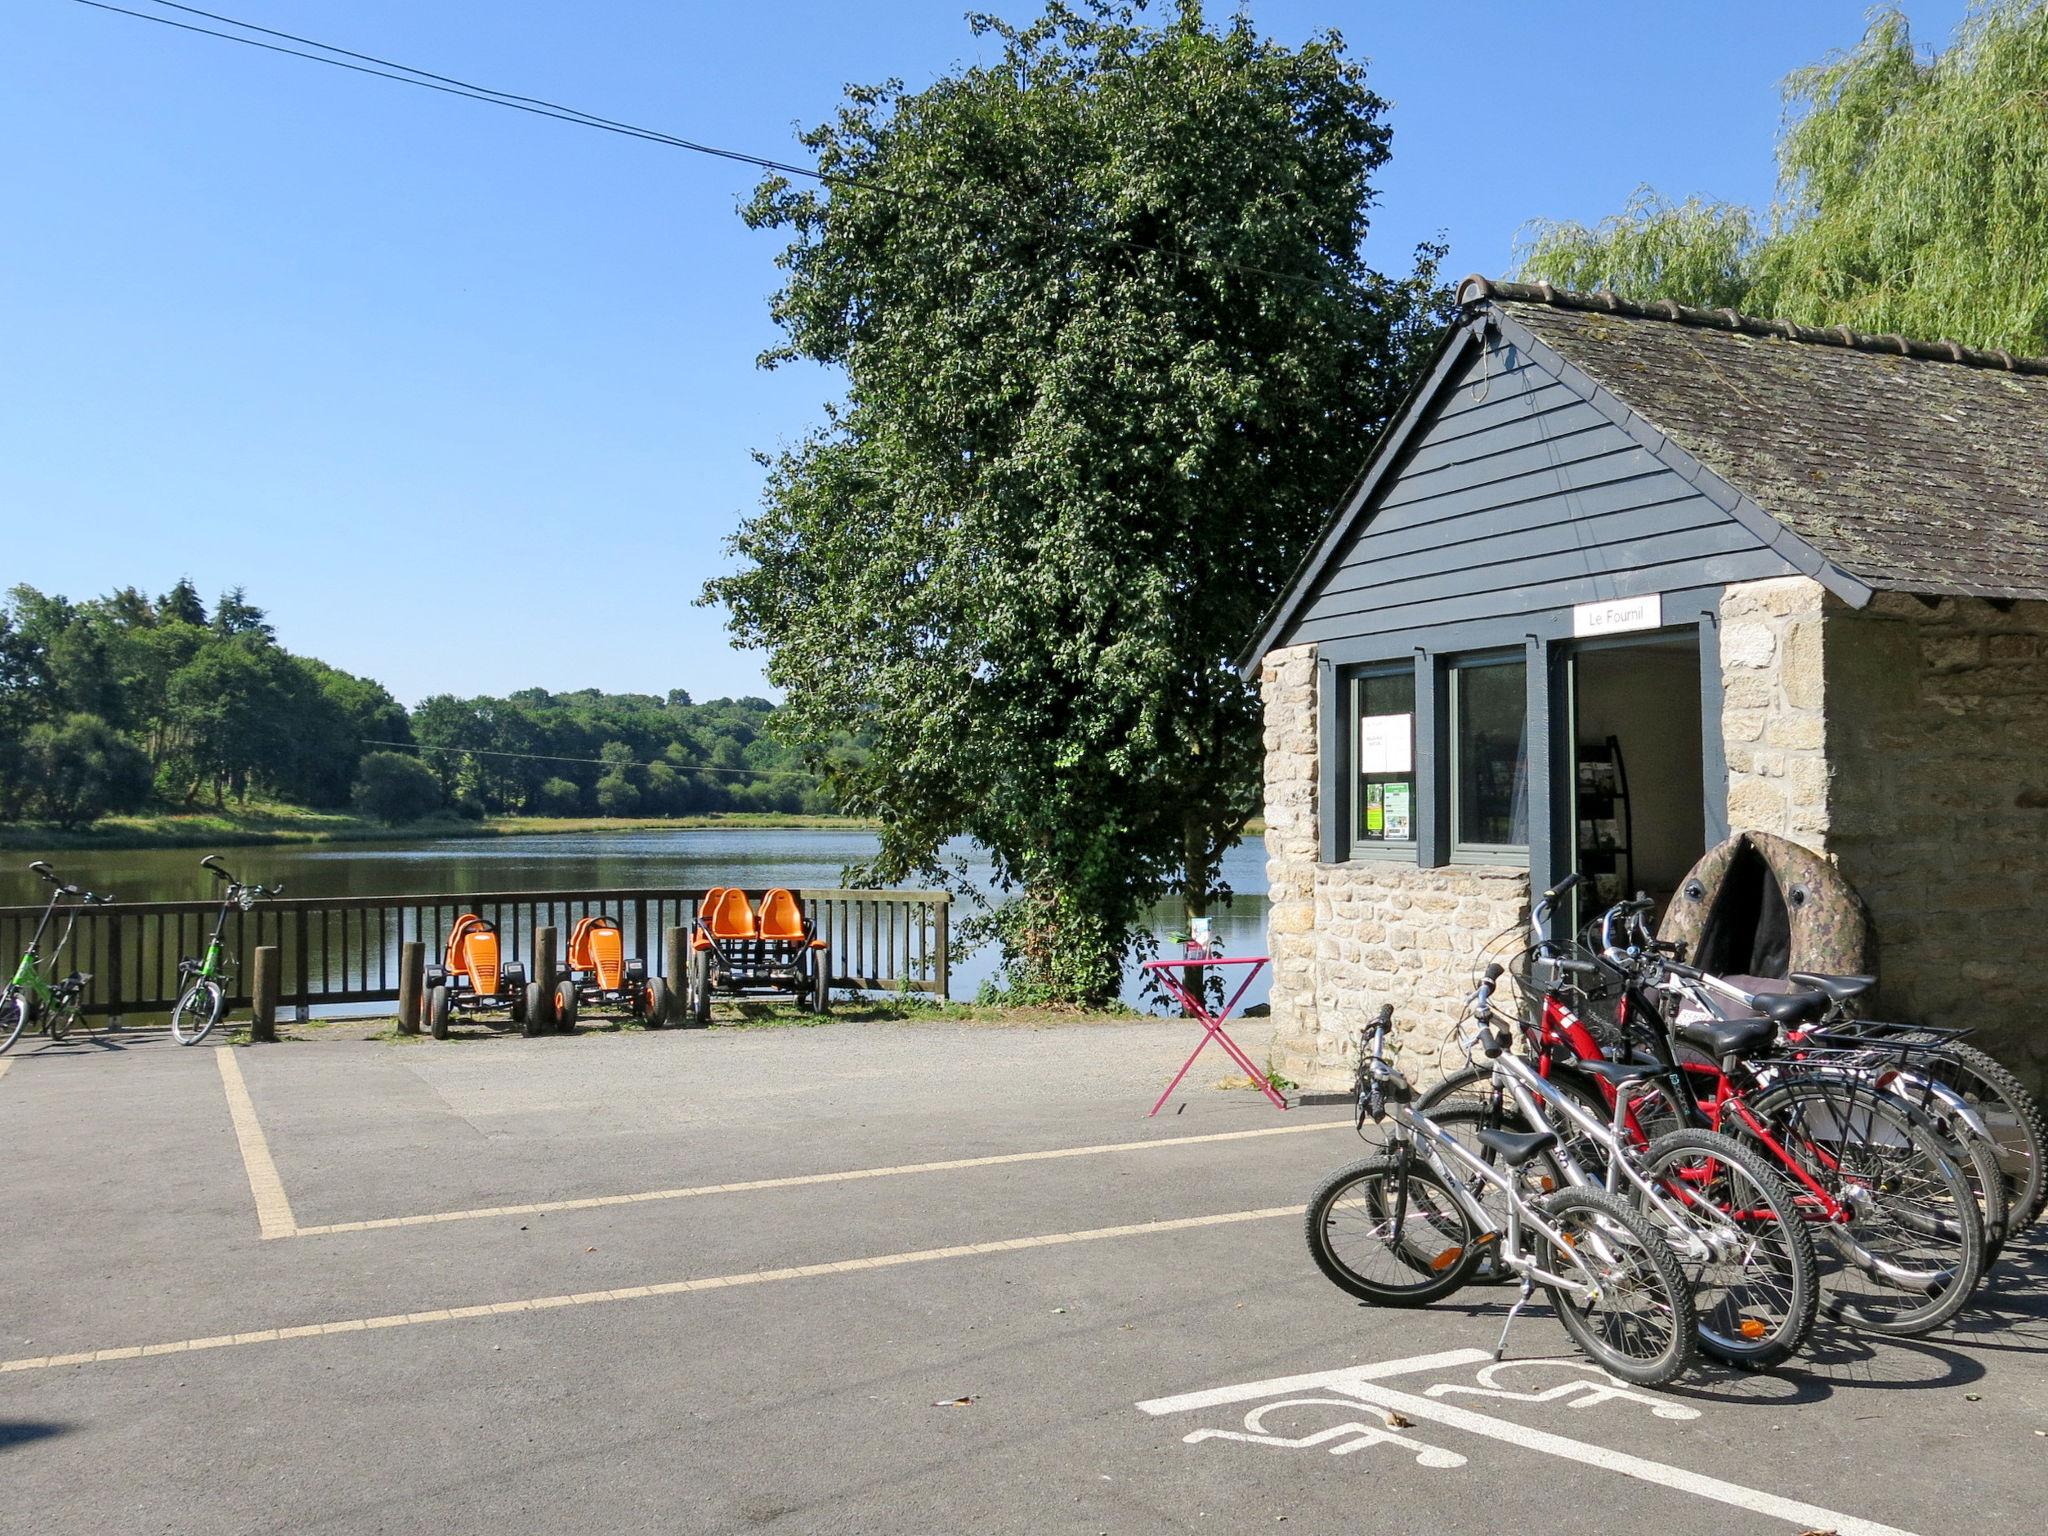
(1171, 976)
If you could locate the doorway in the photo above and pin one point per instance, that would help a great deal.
(1639, 790)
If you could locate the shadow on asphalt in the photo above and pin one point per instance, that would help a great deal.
(15, 1432)
(2008, 1313)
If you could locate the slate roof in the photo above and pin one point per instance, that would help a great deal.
(1911, 466)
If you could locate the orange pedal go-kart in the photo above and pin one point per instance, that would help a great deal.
(472, 979)
(600, 976)
(735, 952)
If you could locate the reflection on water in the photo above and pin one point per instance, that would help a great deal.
(753, 857)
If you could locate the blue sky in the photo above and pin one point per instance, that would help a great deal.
(467, 398)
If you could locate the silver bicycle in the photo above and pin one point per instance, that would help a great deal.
(1409, 1226)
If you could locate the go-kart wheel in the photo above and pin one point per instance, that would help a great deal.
(565, 1006)
(519, 1013)
(655, 1003)
(437, 1012)
(539, 1017)
(700, 987)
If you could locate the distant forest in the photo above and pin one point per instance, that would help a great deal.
(126, 703)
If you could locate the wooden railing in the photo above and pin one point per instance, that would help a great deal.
(337, 950)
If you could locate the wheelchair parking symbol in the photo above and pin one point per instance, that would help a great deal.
(1355, 1411)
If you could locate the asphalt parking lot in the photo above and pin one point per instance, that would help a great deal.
(911, 1278)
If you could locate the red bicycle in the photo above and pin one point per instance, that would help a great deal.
(1902, 1234)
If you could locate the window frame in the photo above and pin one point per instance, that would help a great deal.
(1357, 848)
(1461, 850)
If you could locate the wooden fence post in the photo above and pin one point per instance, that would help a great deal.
(263, 994)
(943, 965)
(412, 968)
(675, 965)
(544, 971)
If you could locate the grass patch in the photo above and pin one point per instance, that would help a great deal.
(259, 823)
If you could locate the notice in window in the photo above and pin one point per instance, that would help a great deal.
(1375, 810)
(1386, 744)
(1396, 801)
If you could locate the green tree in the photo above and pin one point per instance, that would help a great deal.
(395, 787)
(234, 706)
(181, 605)
(82, 768)
(559, 797)
(1111, 348)
(1911, 198)
(234, 614)
(616, 795)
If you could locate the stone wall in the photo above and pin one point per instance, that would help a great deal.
(1908, 742)
(1346, 938)
(1937, 730)
(1773, 708)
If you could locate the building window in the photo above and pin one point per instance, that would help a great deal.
(1383, 758)
(1490, 755)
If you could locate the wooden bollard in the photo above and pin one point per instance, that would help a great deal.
(412, 966)
(544, 972)
(263, 995)
(675, 965)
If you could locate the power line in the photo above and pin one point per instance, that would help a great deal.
(605, 762)
(448, 85)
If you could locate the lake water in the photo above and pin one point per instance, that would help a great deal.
(754, 858)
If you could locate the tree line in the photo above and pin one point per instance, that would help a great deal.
(126, 703)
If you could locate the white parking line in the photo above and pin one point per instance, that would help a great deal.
(1808, 1517)
(799, 1181)
(639, 1292)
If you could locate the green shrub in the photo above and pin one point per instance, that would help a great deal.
(394, 788)
(81, 768)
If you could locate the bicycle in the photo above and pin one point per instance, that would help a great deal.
(28, 997)
(1611, 1277)
(1871, 1174)
(202, 993)
(1732, 1223)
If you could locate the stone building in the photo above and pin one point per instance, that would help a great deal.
(1619, 577)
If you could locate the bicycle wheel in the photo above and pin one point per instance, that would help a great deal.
(1758, 1291)
(198, 1009)
(1392, 1238)
(57, 1024)
(1639, 1323)
(2014, 1118)
(1975, 1157)
(1910, 1247)
(15, 1012)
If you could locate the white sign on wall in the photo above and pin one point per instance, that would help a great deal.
(1386, 744)
(1617, 617)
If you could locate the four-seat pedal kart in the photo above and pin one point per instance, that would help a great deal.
(736, 953)
(471, 979)
(600, 976)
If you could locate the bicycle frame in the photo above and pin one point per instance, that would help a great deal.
(28, 974)
(1416, 1133)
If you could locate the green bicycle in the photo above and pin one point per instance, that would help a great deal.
(203, 994)
(28, 997)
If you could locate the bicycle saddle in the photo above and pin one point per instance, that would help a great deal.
(1722, 1038)
(1516, 1147)
(1838, 989)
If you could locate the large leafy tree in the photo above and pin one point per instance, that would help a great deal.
(1912, 198)
(1110, 349)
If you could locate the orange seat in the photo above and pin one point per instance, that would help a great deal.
(473, 952)
(698, 938)
(782, 918)
(731, 916)
(598, 945)
(455, 956)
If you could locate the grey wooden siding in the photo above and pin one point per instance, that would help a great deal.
(1518, 496)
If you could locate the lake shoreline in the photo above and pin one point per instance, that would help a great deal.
(273, 826)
